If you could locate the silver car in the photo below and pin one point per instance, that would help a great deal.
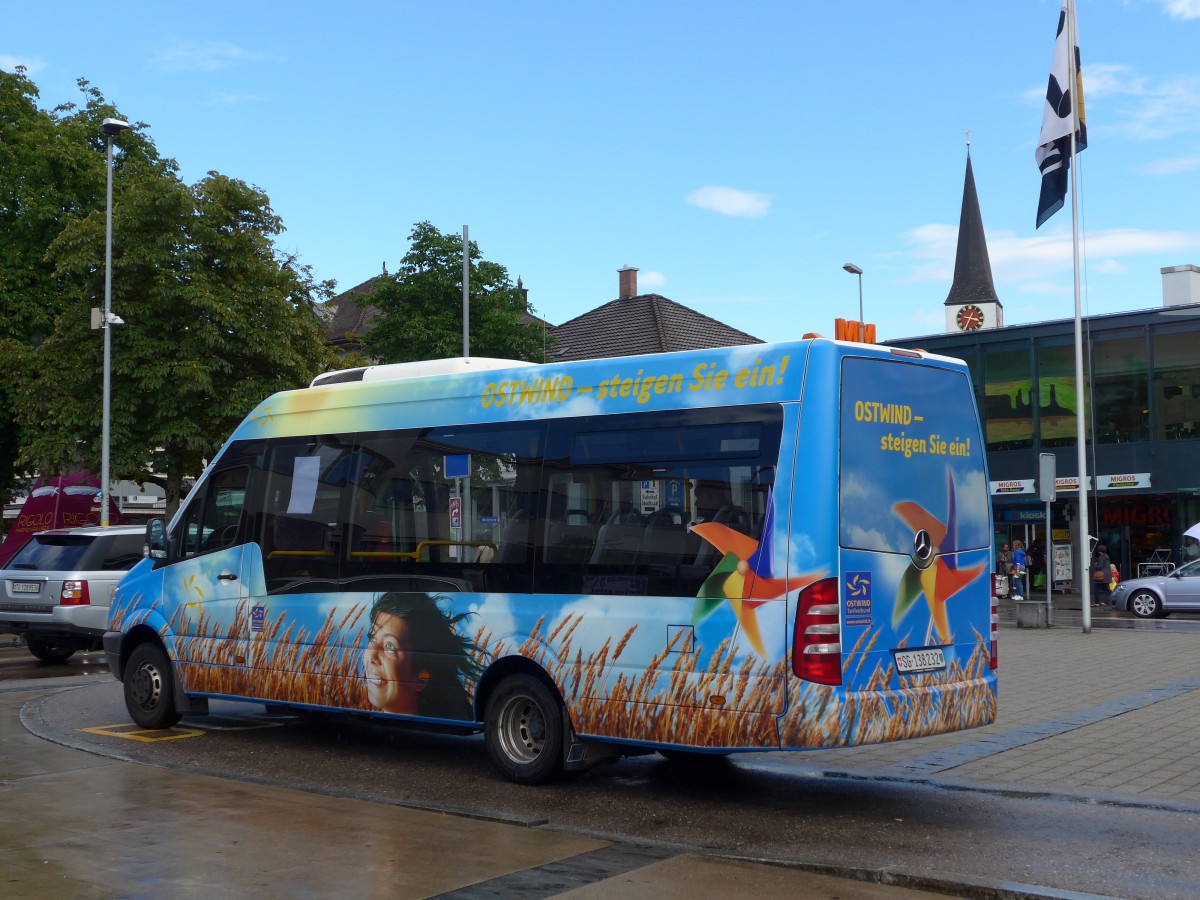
(55, 592)
(1157, 596)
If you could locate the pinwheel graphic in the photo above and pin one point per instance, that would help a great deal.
(934, 568)
(742, 578)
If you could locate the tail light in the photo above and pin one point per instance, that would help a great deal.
(74, 593)
(994, 659)
(817, 642)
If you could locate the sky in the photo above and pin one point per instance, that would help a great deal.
(736, 154)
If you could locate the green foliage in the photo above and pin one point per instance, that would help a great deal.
(421, 306)
(215, 318)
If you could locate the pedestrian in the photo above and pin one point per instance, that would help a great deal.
(1019, 560)
(1101, 575)
(1003, 561)
(1191, 549)
(1036, 561)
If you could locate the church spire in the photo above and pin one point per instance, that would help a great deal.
(972, 268)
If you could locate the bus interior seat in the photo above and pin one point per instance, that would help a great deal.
(732, 517)
(665, 539)
(618, 539)
(570, 543)
(514, 543)
(373, 535)
(293, 534)
(299, 549)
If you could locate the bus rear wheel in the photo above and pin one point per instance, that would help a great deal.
(524, 730)
(150, 688)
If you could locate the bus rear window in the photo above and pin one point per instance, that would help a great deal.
(910, 451)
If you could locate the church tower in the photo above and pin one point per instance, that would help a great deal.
(972, 304)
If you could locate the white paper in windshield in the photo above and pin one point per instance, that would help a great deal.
(304, 485)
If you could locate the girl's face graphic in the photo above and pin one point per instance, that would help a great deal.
(392, 686)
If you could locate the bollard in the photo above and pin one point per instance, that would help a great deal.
(1031, 614)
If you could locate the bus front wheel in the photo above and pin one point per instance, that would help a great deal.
(524, 730)
(150, 688)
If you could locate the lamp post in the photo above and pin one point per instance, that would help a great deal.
(111, 128)
(862, 328)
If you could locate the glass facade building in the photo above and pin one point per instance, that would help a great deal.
(1142, 424)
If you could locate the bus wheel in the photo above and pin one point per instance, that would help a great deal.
(150, 688)
(524, 733)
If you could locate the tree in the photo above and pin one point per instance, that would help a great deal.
(421, 306)
(52, 170)
(215, 318)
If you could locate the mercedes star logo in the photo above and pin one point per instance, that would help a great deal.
(922, 547)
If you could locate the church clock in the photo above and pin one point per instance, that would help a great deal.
(969, 318)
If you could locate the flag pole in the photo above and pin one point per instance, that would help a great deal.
(1085, 550)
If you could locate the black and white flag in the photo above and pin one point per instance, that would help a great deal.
(1054, 146)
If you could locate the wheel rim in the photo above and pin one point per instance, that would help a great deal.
(1144, 604)
(147, 686)
(521, 729)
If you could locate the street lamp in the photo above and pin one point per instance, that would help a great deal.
(862, 328)
(111, 128)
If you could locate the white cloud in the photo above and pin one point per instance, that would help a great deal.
(1182, 9)
(210, 57)
(1028, 261)
(1134, 105)
(1160, 111)
(1106, 80)
(652, 279)
(1176, 166)
(32, 65)
(730, 201)
(220, 98)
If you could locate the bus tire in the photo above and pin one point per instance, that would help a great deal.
(523, 730)
(150, 688)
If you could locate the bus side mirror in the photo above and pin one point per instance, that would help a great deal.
(156, 539)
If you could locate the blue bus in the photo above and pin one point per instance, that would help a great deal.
(775, 546)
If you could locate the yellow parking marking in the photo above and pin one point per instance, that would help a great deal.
(145, 735)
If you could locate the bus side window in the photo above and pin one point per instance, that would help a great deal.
(301, 514)
(648, 479)
(213, 520)
(430, 506)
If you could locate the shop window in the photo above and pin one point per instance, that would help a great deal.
(1121, 403)
(1176, 389)
(1057, 425)
(1008, 404)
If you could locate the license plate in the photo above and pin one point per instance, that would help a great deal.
(26, 587)
(909, 662)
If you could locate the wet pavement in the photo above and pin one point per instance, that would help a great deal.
(93, 814)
